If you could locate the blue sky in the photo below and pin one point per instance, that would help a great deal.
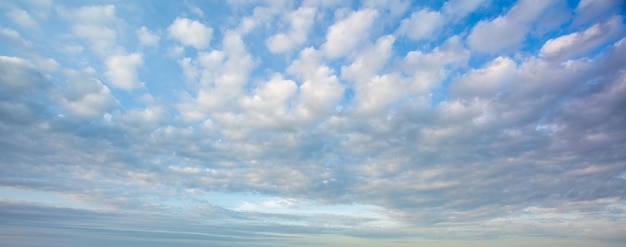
(327, 123)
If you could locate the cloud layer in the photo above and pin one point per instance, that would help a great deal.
(274, 124)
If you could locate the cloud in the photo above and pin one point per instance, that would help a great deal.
(269, 104)
(395, 7)
(147, 38)
(301, 21)
(21, 100)
(320, 90)
(85, 96)
(459, 8)
(190, 32)
(486, 81)
(356, 133)
(19, 75)
(346, 34)
(22, 18)
(507, 31)
(590, 10)
(96, 24)
(122, 71)
(579, 42)
(370, 60)
(421, 24)
(428, 69)
(222, 76)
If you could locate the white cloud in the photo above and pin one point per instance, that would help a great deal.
(590, 10)
(122, 71)
(347, 34)
(22, 18)
(458, 9)
(19, 74)
(190, 32)
(147, 38)
(581, 42)
(223, 82)
(11, 34)
(222, 77)
(484, 136)
(92, 14)
(395, 7)
(320, 90)
(143, 117)
(378, 92)
(47, 64)
(324, 3)
(428, 69)
(301, 21)
(370, 60)
(84, 96)
(102, 38)
(269, 103)
(421, 24)
(96, 24)
(271, 97)
(486, 81)
(508, 31)
(496, 35)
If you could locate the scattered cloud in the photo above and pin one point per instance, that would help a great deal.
(580, 42)
(459, 8)
(384, 123)
(146, 37)
(22, 18)
(301, 21)
(508, 31)
(122, 70)
(421, 24)
(346, 34)
(85, 96)
(190, 32)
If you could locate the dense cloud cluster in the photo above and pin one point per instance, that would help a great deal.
(459, 120)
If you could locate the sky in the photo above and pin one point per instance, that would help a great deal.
(313, 123)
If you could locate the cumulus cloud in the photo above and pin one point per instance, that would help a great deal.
(269, 103)
(507, 31)
(356, 133)
(395, 7)
(22, 18)
(19, 74)
(461, 8)
(122, 70)
(190, 32)
(486, 81)
(590, 10)
(300, 22)
(370, 60)
(320, 89)
(85, 96)
(96, 24)
(580, 42)
(346, 34)
(146, 37)
(421, 24)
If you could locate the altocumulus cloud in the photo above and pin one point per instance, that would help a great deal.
(279, 123)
